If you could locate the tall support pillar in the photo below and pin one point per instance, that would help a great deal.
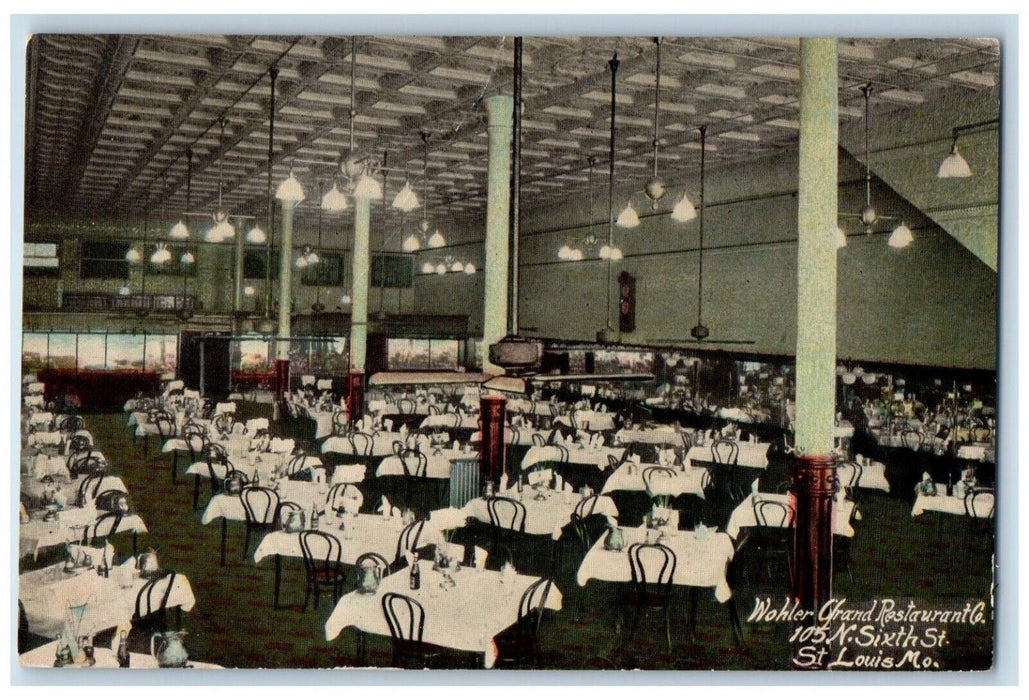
(498, 202)
(361, 263)
(813, 474)
(285, 297)
(355, 394)
(492, 453)
(237, 282)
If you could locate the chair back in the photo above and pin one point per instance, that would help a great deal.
(214, 452)
(79, 443)
(322, 551)
(69, 424)
(89, 488)
(769, 513)
(506, 513)
(85, 463)
(114, 500)
(980, 503)
(405, 617)
(687, 443)
(260, 504)
(653, 476)
(530, 611)
(341, 423)
(296, 463)
(911, 439)
(103, 527)
(538, 440)
(414, 462)
(223, 424)
(408, 540)
(153, 597)
(405, 406)
(724, 451)
(586, 506)
(372, 559)
(340, 494)
(652, 566)
(361, 443)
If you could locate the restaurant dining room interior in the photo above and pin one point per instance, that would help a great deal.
(509, 352)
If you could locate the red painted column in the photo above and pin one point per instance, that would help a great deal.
(491, 449)
(813, 483)
(355, 394)
(281, 377)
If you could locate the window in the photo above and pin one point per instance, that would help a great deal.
(92, 353)
(34, 352)
(254, 264)
(327, 272)
(40, 259)
(161, 354)
(62, 351)
(392, 270)
(253, 355)
(104, 260)
(414, 353)
(124, 351)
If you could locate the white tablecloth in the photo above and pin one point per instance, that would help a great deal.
(452, 420)
(873, 475)
(39, 534)
(303, 493)
(41, 465)
(699, 562)
(34, 488)
(382, 444)
(544, 517)
(752, 454)
(688, 481)
(437, 467)
(743, 515)
(980, 452)
(596, 457)
(362, 533)
(264, 463)
(43, 657)
(513, 436)
(589, 420)
(47, 592)
(950, 504)
(465, 617)
(651, 436)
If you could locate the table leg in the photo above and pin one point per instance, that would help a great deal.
(278, 580)
(135, 542)
(361, 653)
(224, 535)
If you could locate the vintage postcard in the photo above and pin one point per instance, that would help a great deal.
(483, 351)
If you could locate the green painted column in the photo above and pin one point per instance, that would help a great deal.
(237, 280)
(285, 277)
(499, 110)
(361, 262)
(816, 249)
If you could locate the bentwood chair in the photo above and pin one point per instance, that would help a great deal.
(150, 614)
(405, 617)
(211, 454)
(521, 642)
(980, 508)
(408, 542)
(89, 488)
(339, 494)
(323, 564)
(261, 509)
(585, 526)
(725, 454)
(507, 524)
(769, 543)
(341, 425)
(652, 567)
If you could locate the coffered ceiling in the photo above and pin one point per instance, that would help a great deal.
(110, 118)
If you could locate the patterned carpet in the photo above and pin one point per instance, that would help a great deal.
(931, 559)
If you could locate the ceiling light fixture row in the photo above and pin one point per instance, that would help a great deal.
(574, 250)
(408, 202)
(448, 264)
(954, 165)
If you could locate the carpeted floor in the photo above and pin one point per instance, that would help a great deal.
(932, 560)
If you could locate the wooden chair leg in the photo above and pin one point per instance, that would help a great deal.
(175, 467)
(734, 622)
(196, 491)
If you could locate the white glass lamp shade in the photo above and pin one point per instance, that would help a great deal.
(848, 378)
(841, 238)
(576, 254)
(605, 252)
(334, 200)
(436, 240)
(858, 372)
(954, 165)
(411, 244)
(345, 300)
(301, 262)
(406, 200)
(179, 231)
(901, 237)
(249, 290)
(564, 252)
(684, 210)
(456, 266)
(869, 378)
(124, 290)
(256, 235)
(441, 269)
(161, 255)
(469, 269)
(428, 268)
(628, 218)
(187, 258)
(368, 187)
(133, 256)
(290, 191)
(313, 258)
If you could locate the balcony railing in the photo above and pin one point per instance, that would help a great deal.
(91, 302)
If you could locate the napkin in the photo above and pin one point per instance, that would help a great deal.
(540, 476)
(926, 477)
(388, 425)
(385, 508)
(479, 557)
(505, 482)
(556, 534)
(753, 486)
(559, 483)
(348, 473)
(598, 441)
(451, 551)
(636, 459)
(448, 518)
(396, 512)
(457, 445)
(567, 488)
(403, 430)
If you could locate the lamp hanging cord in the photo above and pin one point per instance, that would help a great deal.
(867, 90)
(657, 104)
(353, 83)
(613, 64)
(700, 252)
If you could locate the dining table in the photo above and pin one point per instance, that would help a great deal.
(863, 472)
(587, 419)
(952, 504)
(678, 481)
(35, 488)
(702, 558)
(68, 526)
(463, 612)
(743, 515)
(752, 454)
(656, 435)
(43, 464)
(382, 444)
(575, 453)
(438, 463)
(43, 657)
(47, 593)
(547, 511)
